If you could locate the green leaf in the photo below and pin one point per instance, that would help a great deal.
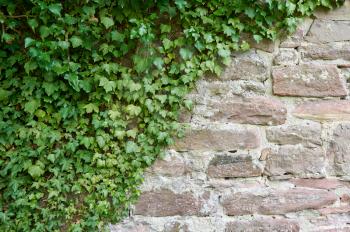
(100, 141)
(107, 22)
(31, 106)
(55, 8)
(185, 53)
(107, 84)
(91, 107)
(133, 110)
(28, 41)
(76, 41)
(131, 147)
(36, 171)
(33, 23)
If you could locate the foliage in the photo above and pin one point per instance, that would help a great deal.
(90, 94)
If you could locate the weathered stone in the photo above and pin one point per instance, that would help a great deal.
(131, 227)
(171, 167)
(276, 202)
(247, 66)
(175, 226)
(319, 183)
(340, 13)
(295, 160)
(333, 210)
(304, 133)
(325, 31)
(286, 56)
(219, 140)
(296, 39)
(331, 51)
(308, 80)
(339, 150)
(162, 203)
(276, 225)
(324, 110)
(254, 110)
(224, 166)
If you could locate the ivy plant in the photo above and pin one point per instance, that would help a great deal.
(91, 91)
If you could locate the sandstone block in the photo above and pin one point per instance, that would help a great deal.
(286, 56)
(277, 201)
(219, 140)
(295, 160)
(308, 80)
(326, 31)
(337, 110)
(277, 225)
(174, 166)
(339, 150)
(335, 210)
(254, 110)
(224, 166)
(247, 66)
(331, 51)
(162, 203)
(304, 133)
(319, 183)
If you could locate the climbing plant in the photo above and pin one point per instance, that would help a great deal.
(91, 90)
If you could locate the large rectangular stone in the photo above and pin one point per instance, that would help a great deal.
(330, 110)
(326, 31)
(340, 13)
(219, 140)
(276, 201)
(253, 110)
(295, 160)
(331, 51)
(224, 166)
(308, 80)
(339, 150)
(164, 202)
(304, 133)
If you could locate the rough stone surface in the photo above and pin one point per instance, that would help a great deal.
(277, 225)
(174, 166)
(224, 166)
(319, 183)
(254, 110)
(286, 56)
(164, 203)
(308, 80)
(276, 202)
(331, 51)
(295, 160)
(304, 133)
(339, 150)
(325, 31)
(297, 38)
(247, 66)
(337, 110)
(219, 140)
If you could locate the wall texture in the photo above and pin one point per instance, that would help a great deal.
(269, 148)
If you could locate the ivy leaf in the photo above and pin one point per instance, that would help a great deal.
(33, 23)
(91, 107)
(76, 41)
(133, 110)
(107, 22)
(28, 41)
(100, 141)
(55, 8)
(131, 147)
(31, 106)
(185, 53)
(36, 170)
(107, 84)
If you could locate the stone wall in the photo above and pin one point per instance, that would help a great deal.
(269, 145)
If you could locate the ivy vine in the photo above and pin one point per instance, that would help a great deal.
(91, 91)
